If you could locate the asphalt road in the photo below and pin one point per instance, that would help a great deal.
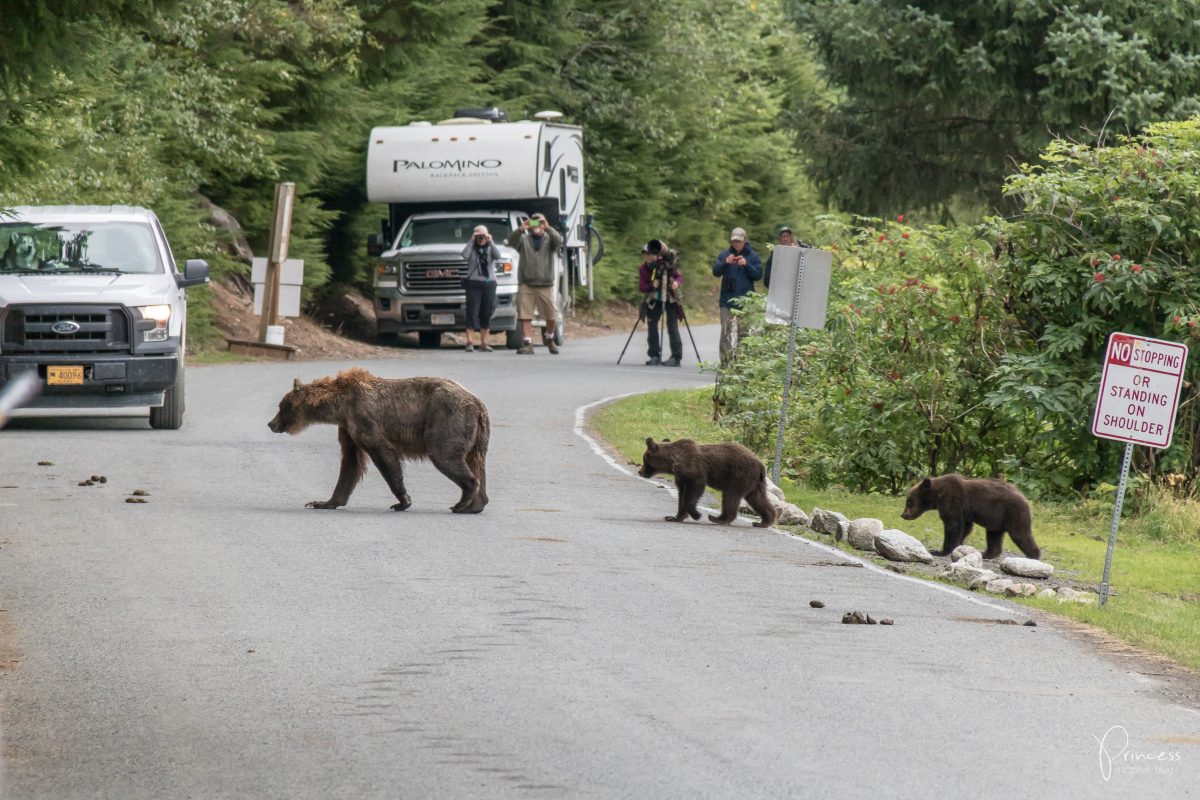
(222, 641)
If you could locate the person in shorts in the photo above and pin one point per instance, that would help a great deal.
(537, 244)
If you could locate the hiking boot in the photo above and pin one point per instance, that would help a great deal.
(654, 362)
(485, 347)
(525, 349)
(550, 345)
(468, 348)
(671, 362)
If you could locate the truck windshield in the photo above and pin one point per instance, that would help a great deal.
(454, 230)
(64, 247)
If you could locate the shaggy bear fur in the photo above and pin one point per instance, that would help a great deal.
(394, 420)
(729, 468)
(996, 505)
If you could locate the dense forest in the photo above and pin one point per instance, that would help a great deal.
(179, 105)
(984, 172)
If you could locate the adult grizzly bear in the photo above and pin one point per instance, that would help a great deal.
(994, 504)
(394, 420)
(729, 468)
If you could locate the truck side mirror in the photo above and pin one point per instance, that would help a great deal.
(195, 273)
(375, 244)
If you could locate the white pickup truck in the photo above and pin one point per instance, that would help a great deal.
(439, 182)
(91, 302)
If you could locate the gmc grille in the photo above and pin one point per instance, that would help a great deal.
(29, 329)
(434, 277)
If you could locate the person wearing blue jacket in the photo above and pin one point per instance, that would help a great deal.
(738, 267)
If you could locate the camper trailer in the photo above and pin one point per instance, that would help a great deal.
(439, 182)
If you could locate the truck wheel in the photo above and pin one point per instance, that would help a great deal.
(559, 335)
(169, 416)
(430, 339)
(513, 338)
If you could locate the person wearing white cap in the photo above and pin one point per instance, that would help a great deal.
(481, 255)
(738, 267)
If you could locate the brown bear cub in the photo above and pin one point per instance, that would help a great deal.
(729, 468)
(996, 505)
(393, 420)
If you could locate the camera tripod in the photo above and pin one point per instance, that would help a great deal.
(642, 310)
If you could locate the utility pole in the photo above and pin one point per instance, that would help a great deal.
(281, 231)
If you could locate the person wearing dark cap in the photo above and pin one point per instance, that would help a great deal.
(738, 267)
(659, 280)
(786, 237)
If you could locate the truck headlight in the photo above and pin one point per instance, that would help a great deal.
(387, 268)
(504, 268)
(161, 315)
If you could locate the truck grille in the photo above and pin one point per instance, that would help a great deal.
(30, 329)
(434, 277)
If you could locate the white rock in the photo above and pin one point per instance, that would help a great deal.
(861, 533)
(1047, 593)
(790, 514)
(775, 491)
(1021, 590)
(843, 530)
(899, 546)
(1069, 595)
(964, 552)
(998, 586)
(962, 573)
(1026, 567)
(981, 580)
(826, 521)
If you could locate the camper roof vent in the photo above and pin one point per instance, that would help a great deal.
(420, 124)
(493, 114)
(546, 116)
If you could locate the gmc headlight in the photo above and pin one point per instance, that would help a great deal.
(388, 268)
(161, 315)
(504, 268)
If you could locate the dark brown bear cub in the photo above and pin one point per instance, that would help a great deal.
(393, 420)
(995, 505)
(729, 468)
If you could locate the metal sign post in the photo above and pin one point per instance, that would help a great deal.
(1139, 394)
(803, 307)
(777, 463)
(281, 231)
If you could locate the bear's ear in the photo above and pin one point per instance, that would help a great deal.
(651, 444)
(295, 384)
(666, 440)
(926, 484)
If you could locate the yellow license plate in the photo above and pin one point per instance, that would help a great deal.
(60, 376)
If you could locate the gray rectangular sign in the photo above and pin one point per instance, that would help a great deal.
(814, 286)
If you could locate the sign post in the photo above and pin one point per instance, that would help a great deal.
(801, 275)
(281, 232)
(1139, 394)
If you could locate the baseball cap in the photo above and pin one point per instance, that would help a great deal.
(645, 248)
(737, 233)
(784, 229)
(480, 229)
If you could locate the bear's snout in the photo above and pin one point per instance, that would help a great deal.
(275, 426)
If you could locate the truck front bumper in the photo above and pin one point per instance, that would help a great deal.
(109, 381)
(398, 313)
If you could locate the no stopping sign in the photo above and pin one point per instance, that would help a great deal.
(1139, 391)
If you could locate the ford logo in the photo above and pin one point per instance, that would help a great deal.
(65, 326)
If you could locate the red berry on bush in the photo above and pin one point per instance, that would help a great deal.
(1176, 319)
(955, 319)
(877, 406)
(902, 254)
(893, 376)
(1099, 276)
(882, 237)
(899, 218)
(904, 235)
(1136, 268)
(1116, 256)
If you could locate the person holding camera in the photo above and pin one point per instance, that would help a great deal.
(537, 243)
(738, 267)
(481, 255)
(659, 280)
